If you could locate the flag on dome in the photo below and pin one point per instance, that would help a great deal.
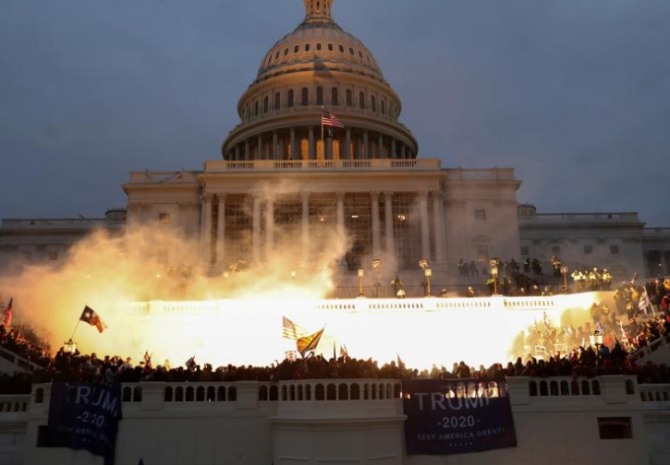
(329, 119)
(92, 318)
(309, 343)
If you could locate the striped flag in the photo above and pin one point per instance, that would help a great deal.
(645, 303)
(329, 119)
(290, 330)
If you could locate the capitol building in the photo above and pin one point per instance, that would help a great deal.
(284, 179)
(321, 167)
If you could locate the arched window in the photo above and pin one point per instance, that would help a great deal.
(277, 101)
(289, 102)
(373, 103)
(256, 108)
(334, 97)
(305, 96)
(307, 47)
(330, 47)
(319, 95)
(361, 100)
(383, 107)
(318, 45)
(296, 48)
(266, 104)
(350, 98)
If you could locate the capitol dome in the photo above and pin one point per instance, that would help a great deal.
(319, 68)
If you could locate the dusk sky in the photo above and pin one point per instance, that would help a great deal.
(572, 94)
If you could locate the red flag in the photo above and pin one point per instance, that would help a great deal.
(89, 316)
(8, 313)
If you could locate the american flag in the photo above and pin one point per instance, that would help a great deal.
(290, 330)
(329, 119)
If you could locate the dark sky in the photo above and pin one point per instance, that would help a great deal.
(572, 94)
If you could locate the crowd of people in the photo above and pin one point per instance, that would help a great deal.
(603, 345)
(528, 278)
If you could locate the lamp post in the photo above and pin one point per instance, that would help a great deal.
(427, 274)
(564, 272)
(361, 273)
(377, 266)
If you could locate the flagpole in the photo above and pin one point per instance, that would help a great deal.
(324, 148)
(75, 330)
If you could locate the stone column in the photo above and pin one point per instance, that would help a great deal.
(247, 150)
(221, 230)
(388, 219)
(256, 232)
(340, 212)
(312, 144)
(259, 149)
(346, 153)
(438, 221)
(376, 230)
(206, 233)
(305, 226)
(269, 229)
(366, 145)
(425, 232)
(294, 149)
(393, 149)
(380, 146)
(275, 146)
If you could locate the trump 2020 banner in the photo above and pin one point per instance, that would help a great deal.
(85, 416)
(456, 416)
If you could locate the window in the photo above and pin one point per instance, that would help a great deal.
(334, 97)
(266, 104)
(480, 215)
(164, 218)
(373, 103)
(588, 249)
(318, 45)
(256, 108)
(350, 98)
(330, 47)
(615, 428)
(307, 47)
(305, 96)
(296, 48)
(319, 95)
(286, 51)
(277, 101)
(361, 100)
(289, 102)
(614, 249)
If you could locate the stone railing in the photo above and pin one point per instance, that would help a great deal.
(352, 397)
(14, 403)
(655, 396)
(316, 165)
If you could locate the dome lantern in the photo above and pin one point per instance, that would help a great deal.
(317, 9)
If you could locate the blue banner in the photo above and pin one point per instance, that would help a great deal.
(85, 416)
(456, 416)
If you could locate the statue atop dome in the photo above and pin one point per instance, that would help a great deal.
(317, 9)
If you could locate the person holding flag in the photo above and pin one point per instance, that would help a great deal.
(330, 121)
(88, 315)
